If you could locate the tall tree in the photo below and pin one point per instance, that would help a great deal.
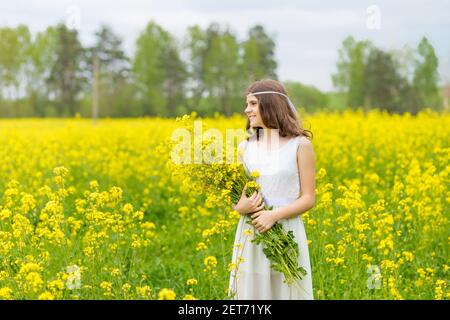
(404, 59)
(66, 76)
(113, 70)
(223, 81)
(426, 76)
(383, 85)
(196, 47)
(158, 70)
(351, 70)
(259, 54)
(14, 46)
(42, 56)
(175, 79)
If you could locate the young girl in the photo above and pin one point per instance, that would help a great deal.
(281, 151)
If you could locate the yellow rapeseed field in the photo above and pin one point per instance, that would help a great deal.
(95, 212)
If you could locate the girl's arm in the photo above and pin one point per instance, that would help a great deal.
(306, 168)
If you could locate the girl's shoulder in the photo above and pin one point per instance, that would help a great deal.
(303, 143)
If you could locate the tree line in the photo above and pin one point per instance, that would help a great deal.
(52, 74)
(399, 81)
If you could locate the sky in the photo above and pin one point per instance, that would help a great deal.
(307, 34)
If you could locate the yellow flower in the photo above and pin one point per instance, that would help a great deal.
(5, 213)
(321, 174)
(60, 171)
(115, 272)
(422, 273)
(126, 287)
(191, 282)
(34, 281)
(393, 289)
(166, 294)
(148, 225)
(107, 287)
(210, 263)
(388, 265)
(408, 256)
(144, 292)
(201, 246)
(189, 297)
(234, 215)
(93, 185)
(55, 286)
(5, 293)
(128, 208)
(88, 251)
(232, 266)
(46, 296)
(252, 186)
(438, 290)
(255, 174)
(339, 261)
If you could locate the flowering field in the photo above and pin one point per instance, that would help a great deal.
(95, 213)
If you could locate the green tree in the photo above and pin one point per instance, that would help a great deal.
(42, 56)
(175, 79)
(14, 46)
(308, 97)
(219, 67)
(383, 85)
(259, 55)
(196, 48)
(159, 71)
(425, 82)
(351, 70)
(222, 79)
(113, 73)
(66, 79)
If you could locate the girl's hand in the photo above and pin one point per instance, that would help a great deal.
(263, 220)
(250, 204)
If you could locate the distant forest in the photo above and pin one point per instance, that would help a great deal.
(52, 74)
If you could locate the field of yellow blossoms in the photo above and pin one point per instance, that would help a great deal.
(94, 212)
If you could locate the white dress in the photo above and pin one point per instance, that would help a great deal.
(279, 180)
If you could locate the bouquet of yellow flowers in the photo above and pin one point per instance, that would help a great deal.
(229, 180)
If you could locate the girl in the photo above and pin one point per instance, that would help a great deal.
(281, 151)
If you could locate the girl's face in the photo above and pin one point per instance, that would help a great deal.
(252, 111)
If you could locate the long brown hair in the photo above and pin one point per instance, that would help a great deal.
(275, 111)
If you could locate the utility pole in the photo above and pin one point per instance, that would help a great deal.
(95, 84)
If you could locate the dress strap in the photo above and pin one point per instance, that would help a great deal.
(297, 142)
